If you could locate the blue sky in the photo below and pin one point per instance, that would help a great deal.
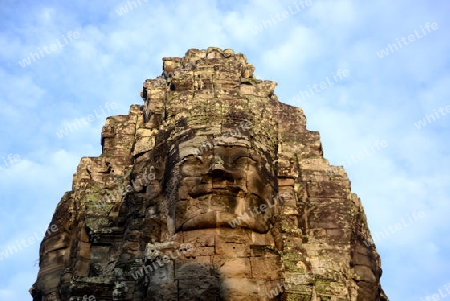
(101, 55)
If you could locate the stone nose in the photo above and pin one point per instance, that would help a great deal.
(218, 171)
(217, 166)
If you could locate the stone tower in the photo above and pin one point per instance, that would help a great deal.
(211, 190)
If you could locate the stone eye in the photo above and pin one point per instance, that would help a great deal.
(244, 160)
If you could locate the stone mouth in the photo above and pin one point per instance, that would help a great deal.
(229, 190)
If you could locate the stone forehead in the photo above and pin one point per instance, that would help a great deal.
(221, 145)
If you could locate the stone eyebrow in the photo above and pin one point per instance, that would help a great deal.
(244, 156)
(185, 158)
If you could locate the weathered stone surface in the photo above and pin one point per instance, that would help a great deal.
(212, 190)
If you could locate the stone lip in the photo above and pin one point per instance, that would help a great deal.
(235, 175)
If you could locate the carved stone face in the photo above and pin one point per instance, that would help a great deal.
(221, 184)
